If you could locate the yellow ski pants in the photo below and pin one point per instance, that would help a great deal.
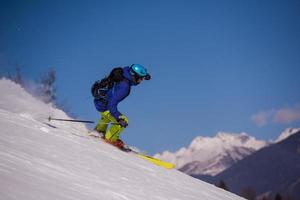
(113, 133)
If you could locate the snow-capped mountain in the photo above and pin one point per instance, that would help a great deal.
(272, 170)
(56, 160)
(211, 155)
(286, 133)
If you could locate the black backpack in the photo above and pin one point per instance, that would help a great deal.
(99, 88)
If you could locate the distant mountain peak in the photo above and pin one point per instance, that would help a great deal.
(286, 133)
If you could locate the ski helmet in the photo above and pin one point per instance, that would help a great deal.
(137, 69)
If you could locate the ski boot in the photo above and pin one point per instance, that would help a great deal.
(120, 145)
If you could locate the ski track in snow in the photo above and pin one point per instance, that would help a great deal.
(57, 160)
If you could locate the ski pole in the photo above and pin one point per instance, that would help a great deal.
(74, 120)
(69, 120)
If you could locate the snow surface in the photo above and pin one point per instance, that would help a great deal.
(42, 160)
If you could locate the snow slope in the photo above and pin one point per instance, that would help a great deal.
(211, 155)
(39, 160)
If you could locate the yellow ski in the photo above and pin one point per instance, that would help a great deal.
(156, 161)
(126, 148)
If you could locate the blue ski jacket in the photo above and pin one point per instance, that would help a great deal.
(116, 94)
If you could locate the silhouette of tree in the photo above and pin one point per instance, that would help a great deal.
(17, 77)
(222, 185)
(48, 91)
(248, 193)
(278, 197)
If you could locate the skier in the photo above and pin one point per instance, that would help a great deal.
(117, 92)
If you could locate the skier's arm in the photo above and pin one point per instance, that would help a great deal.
(119, 93)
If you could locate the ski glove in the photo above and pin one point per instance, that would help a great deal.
(122, 123)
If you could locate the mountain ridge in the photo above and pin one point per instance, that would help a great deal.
(273, 169)
(212, 155)
(226, 147)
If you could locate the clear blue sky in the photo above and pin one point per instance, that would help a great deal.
(216, 65)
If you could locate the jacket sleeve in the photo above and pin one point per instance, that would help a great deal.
(119, 92)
